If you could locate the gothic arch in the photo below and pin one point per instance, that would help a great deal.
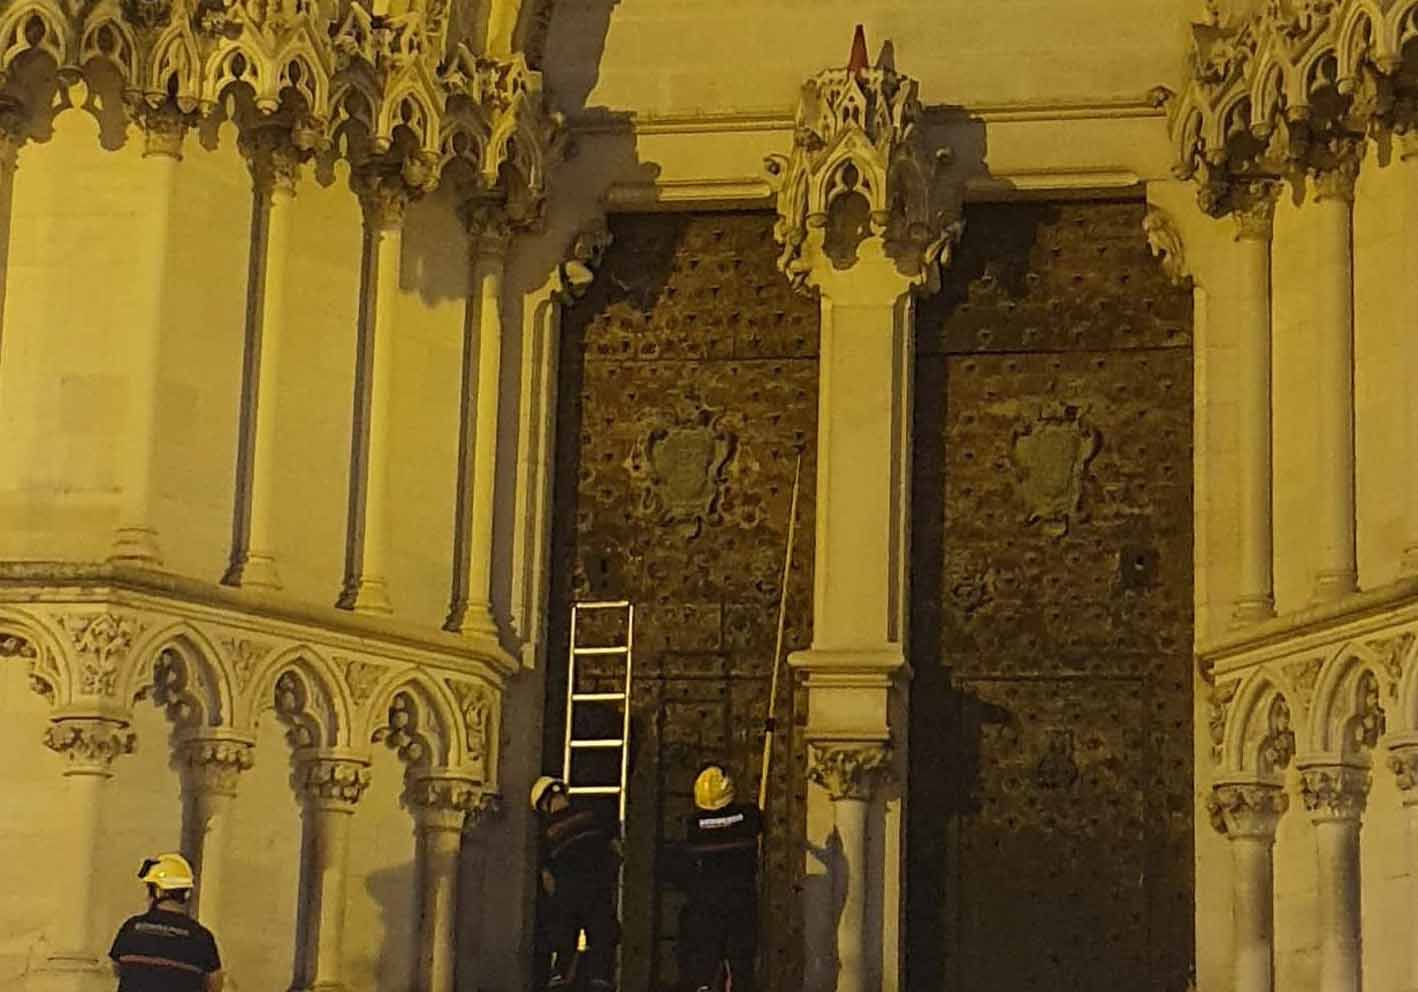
(1260, 736)
(1407, 689)
(411, 713)
(193, 677)
(300, 685)
(1349, 689)
(50, 675)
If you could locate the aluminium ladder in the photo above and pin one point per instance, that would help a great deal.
(574, 744)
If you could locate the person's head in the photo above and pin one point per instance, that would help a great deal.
(713, 788)
(168, 877)
(549, 795)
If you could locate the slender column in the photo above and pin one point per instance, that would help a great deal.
(89, 745)
(1254, 215)
(470, 609)
(12, 136)
(275, 167)
(211, 768)
(1403, 761)
(851, 775)
(1333, 305)
(1334, 796)
(331, 786)
(1408, 151)
(135, 540)
(384, 199)
(441, 805)
(1248, 813)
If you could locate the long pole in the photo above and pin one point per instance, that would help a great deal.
(769, 725)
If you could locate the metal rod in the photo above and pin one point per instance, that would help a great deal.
(778, 646)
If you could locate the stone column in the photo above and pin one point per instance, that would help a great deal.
(470, 608)
(1403, 761)
(441, 805)
(1247, 812)
(275, 167)
(1333, 305)
(1334, 796)
(851, 774)
(12, 136)
(385, 199)
(1255, 212)
(330, 786)
(135, 541)
(1408, 152)
(89, 744)
(211, 767)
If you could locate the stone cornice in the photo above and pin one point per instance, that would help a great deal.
(112, 585)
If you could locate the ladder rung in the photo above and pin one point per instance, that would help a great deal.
(604, 604)
(602, 743)
(620, 650)
(597, 697)
(594, 790)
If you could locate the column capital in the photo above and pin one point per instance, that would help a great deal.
(489, 225)
(860, 173)
(850, 770)
(273, 158)
(332, 782)
(1334, 169)
(447, 802)
(384, 195)
(90, 744)
(1403, 762)
(1247, 809)
(164, 128)
(1253, 207)
(1334, 791)
(213, 765)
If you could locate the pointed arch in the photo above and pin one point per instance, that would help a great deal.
(32, 27)
(208, 684)
(1259, 738)
(435, 713)
(1337, 698)
(321, 708)
(50, 672)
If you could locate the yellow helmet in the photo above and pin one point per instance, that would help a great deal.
(542, 786)
(713, 789)
(169, 872)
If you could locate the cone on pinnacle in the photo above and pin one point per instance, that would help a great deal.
(857, 64)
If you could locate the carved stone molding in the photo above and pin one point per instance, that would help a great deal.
(1253, 205)
(476, 702)
(1277, 747)
(1393, 653)
(446, 802)
(1165, 242)
(89, 744)
(103, 641)
(850, 771)
(858, 140)
(273, 158)
(1247, 809)
(1218, 703)
(1403, 762)
(214, 765)
(362, 678)
(242, 656)
(1334, 792)
(1335, 171)
(384, 197)
(334, 783)
(1370, 722)
(403, 733)
(490, 227)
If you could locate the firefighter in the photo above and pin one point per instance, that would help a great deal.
(580, 860)
(721, 918)
(164, 949)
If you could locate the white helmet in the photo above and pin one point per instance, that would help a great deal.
(544, 785)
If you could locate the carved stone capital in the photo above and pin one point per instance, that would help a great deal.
(1253, 206)
(273, 158)
(1334, 170)
(89, 744)
(383, 197)
(333, 783)
(1165, 242)
(214, 765)
(850, 771)
(490, 228)
(1247, 809)
(164, 128)
(443, 802)
(577, 273)
(1334, 792)
(860, 169)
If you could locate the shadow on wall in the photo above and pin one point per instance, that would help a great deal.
(824, 894)
(392, 965)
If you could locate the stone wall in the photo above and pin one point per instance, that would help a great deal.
(688, 385)
(1051, 745)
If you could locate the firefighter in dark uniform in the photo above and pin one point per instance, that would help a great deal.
(164, 949)
(721, 919)
(580, 860)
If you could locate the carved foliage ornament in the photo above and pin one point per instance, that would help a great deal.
(1218, 703)
(858, 138)
(1051, 455)
(1247, 809)
(1334, 792)
(476, 702)
(334, 782)
(90, 745)
(214, 766)
(315, 68)
(102, 641)
(850, 771)
(43, 672)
